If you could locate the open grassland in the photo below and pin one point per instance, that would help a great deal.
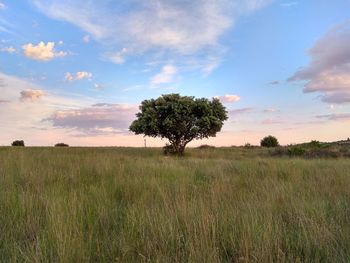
(135, 205)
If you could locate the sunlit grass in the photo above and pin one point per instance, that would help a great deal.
(135, 205)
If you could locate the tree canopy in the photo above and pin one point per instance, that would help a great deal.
(180, 119)
(269, 141)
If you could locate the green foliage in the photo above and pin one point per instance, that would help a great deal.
(61, 144)
(18, 143)
(296, 151)
(206, 146)
(180, 119)
(269, 141)
(315, 144)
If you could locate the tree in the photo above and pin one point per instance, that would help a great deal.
(180, 119)
(269, 141)
(18, 143)
(61, 144)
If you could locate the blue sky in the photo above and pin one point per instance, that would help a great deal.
(75, 71)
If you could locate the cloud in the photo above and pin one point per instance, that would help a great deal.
(240, 111)
(270, 110)
(329, 70)
(86, 39)
(165, 76)
(42, 51)
(335, 117)
(336, 98)
(9, 49)
(119, 57)
(98, 86)
(275, 82)
(228, 98)
(98, 119)
(2, 6)
(78, 76)
(289, 4)
(31, 95)
(169, 27)
(270, 122)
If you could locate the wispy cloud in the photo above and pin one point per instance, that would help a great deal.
(289, 4)
(335, 117)
(166, 76)
(178, 27)
(9, 49)
(274, 82)
(240, 111)
(228, 98)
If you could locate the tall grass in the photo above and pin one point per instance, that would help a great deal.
(135, 205)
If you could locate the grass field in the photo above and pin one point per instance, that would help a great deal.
(136, 205)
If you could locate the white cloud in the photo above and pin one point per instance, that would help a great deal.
(61, 42)
(329, 70)
(172, 28)
(78, 76)
(228, 98)
(119, 57)
(165, 76)
(31, 95)
(9, 49)
(2, 6)
(42, 51)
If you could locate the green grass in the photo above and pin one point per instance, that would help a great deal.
(135, 205)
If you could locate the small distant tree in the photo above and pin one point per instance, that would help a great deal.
(180, 119)
(269, 141)
(61, 144)
(18, 143)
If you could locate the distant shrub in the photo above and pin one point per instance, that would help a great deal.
(247, 145)
(61, 144)
(206, 146)
(269, 141)
(296, 151)
(315, 144)
(18, 143)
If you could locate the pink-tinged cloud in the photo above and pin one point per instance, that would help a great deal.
(31, 95)
(271, 122)
(270, 110)
(99, 119)
(228, 98)
(336, 98)
(329, 70)
(335, 117)
(241, 111)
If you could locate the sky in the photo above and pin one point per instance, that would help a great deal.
(75, 71)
